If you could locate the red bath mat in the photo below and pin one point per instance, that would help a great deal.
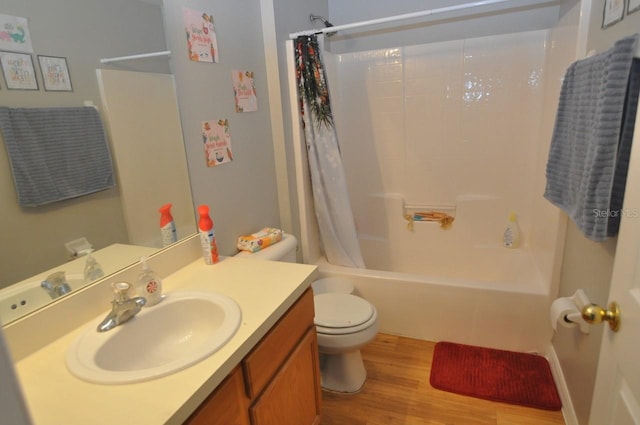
(498, 375)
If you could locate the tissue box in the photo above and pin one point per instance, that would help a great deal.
(262, 239)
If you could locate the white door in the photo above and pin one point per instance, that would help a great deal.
(616, 398)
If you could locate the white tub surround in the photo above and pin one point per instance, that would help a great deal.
(264, 291)
(459, 129)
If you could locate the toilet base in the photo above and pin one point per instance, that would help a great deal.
(344, 373)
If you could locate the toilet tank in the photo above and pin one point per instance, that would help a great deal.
(285, 250)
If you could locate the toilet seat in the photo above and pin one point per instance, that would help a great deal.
(340, 313)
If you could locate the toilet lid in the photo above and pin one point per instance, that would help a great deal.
(338, 310)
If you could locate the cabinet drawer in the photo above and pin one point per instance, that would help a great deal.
(266, 358)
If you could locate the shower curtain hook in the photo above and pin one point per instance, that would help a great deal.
(313, 18)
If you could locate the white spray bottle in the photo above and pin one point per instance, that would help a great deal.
(207, 236)
(167, 226)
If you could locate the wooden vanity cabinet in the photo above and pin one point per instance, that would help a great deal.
(281, 372)
(292, 397)
(227, 405)
(280, 378)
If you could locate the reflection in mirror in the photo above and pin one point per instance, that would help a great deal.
(29, 295)
(143, 123)
(122, 223)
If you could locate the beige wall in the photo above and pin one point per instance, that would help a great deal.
(586, 264)
(601, 39)
(242, 194)
(32, 239)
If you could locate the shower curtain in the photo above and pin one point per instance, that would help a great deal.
(330, 194)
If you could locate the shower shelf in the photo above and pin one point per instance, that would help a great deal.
(422, 213)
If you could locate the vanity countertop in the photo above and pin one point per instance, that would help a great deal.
(263, 289)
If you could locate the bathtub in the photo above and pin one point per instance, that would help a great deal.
(436, 308)
(458, 284)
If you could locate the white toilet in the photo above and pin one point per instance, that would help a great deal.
(344, 322)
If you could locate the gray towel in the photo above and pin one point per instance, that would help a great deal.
(584, 155)
(56, 153)
(624, 150)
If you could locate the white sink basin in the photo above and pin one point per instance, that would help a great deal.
(184, 328)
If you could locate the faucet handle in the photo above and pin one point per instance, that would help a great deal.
(57, 278)
(121, 290)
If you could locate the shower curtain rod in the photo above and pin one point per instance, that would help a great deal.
(405, 16)
(132, 57)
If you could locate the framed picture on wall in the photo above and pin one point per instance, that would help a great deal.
(55, 73)
(18, 71)
(613, 12)
(633, 6)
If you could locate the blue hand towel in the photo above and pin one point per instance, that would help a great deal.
(586, 170)
(56, 153)
(624, 150)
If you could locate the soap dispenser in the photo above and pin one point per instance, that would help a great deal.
(92, 269)
(148, 284)
(511, 237)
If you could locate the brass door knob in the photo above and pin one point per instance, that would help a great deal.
(595, 314)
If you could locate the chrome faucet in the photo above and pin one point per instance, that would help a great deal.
(123, 308)
(56, 285)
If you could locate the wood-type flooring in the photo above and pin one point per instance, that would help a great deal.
(397, 392)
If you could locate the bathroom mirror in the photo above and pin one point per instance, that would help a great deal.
(123, 221)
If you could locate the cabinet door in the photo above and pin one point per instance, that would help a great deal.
(262, 364)
(227, 405)
(293, 396)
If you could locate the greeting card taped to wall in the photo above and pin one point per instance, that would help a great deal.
(217, 142)
(14, 34)
(201, 37)
(244, 90)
